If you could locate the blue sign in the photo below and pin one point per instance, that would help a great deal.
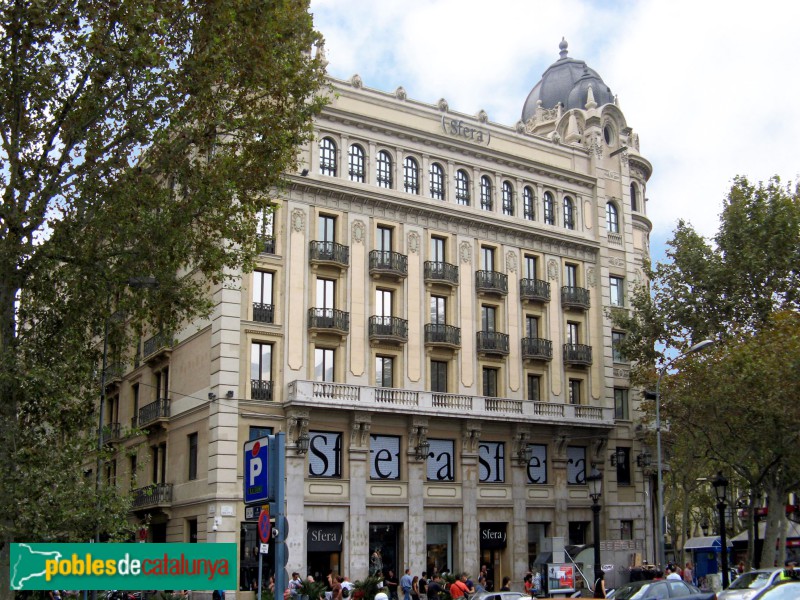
(256, 471)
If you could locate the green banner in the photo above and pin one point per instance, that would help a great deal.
(123, 567)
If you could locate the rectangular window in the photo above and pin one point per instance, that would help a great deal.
(383, 241)
(324, 364)
(192, 456)
(262, 296)
(384, 457)
(626, 529)
(537, 466)
(438, 310)
(576, 465)
(135, 416)
(574, 391)
(438, 250)
(617, 338)
(534, 387)
(441, 463)
(571, 275)
(261, 361)
(191, 530)
(383, 304)
(326, 294)
(530, 267)
(257, 432)
(384, 371)
(617, 289)
(439, 376)
(488, 318)
(487, 258)
(577, 532)
(133, 470)
(531, 326)
(324, 454)
(492, 462)
(623, 466)
(327, 228)
(573, 332)
(621, 404)
(537, 534)
(490, 382)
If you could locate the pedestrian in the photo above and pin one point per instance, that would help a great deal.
(406, 583)
(537, 583)
(506, 587)
(600, 585)
(423, 586)
(390, 581)
(458, 589)
(688, 573)
(382, 594)
(336, 585)
(672, 573)
(527, 582)
(434, 588)
(481, 585)
(415, 588)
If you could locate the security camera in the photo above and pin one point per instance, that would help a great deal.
(214, 527)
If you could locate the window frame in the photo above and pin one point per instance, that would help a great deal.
(569, 213)
(528, 204)
(328, 150)
(411, 175)
(436, 181)
(616, 291)
(462, 188)
(621, 404)
(612, 218)
(548, 209)
(487, 191)
(356, 163)
(508, 198)
(193, 440)
(384, 166)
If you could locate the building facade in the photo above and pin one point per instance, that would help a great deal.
(430, 319)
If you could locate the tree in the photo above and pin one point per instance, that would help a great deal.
(735, 403)
(139, 138)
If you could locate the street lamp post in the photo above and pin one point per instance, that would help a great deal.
(661, 559)
(720, 490)
(595, 481)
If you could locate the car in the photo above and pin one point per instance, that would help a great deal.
(747, 585)
(782, 590)
(660, 589)
(500, 596)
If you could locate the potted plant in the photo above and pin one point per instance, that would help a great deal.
(367, 588)
(311, 590)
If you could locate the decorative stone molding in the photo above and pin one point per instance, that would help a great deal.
(591, 280)
(360, 430)
(520, 126)
(616, 262)
(356, 81)
(359, 230)
(511, 261)
(465, 251)
(482, 116)
(638, 276)
(298, 220)
(471, 437)
(623, 373)
(400, 93)
(413, 242)
(552, 269)
(442, 105)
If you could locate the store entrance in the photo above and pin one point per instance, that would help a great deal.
(384, 548)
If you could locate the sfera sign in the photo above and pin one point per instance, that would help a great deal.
(470, 133)
(493, 535)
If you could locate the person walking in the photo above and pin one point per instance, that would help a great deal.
(688, 573)
(390, 581)
(600, 585)
(406, 583)
(459, 589)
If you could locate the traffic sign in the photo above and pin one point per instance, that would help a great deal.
(264, 526)
(264, 549)
(256, 471)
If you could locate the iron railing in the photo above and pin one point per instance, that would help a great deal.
(441, 272)
(152, 495)
(577, 354)
(329, 252)
(492, 342)
(154, 411)
(160, 340)
(534, 289)
(574, 297)
(263, 313)
(393, 263)
(261, 390)
(388, 329)
(537, 348)
(445, 335)
(491, 282)
(328, 318)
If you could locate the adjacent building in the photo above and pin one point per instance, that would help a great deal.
(429, 324)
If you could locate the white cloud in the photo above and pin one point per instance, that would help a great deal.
(709, 86)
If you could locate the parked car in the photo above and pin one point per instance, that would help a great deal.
(782, 590)
(747, 585)
(660, 589)
(500, 596)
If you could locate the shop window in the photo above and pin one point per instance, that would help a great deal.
(441, 463)
(576, 465)
(325, 454)
(492, 462)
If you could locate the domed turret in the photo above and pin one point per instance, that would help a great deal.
(566, 81)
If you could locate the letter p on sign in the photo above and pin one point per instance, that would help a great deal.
(256, 468)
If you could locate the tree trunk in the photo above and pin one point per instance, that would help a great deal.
(775, 521)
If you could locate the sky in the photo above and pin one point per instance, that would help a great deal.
(709, 85)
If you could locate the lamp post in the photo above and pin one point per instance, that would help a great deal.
(720, 490)
(595, 481)
(661, 560)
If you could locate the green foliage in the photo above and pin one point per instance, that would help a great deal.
(367, 586)
(312, 589)
(139, 138)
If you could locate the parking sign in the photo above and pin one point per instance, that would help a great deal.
(256, 471)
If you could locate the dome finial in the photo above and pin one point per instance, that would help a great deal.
(563, 47)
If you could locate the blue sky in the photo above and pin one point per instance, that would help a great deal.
(709, 85)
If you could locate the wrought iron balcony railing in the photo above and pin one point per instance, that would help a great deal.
(152, 495)
(575, 297)
(437, 334)
(329, 319)
(577, 354)
(382, 262)
(261, 390)
(158, 342)
(441, 272)
(537, 348)
(491, 282)
(534, 289)
(110, 432)
(267, 244)
(154, 411)
(263, 313)
(329, 253)
(492, 342)
(388, 329)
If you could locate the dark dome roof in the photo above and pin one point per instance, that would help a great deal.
(566, 81)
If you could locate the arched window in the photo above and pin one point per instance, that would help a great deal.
(508, 199)
(612, 218)
(436, 174)
(569, 213)
(634, 198)
(528, 210)
(549, 210)
(327, 157)
(411, 175)
(486, 193)
(384, 173)
(462, 187)
(355, 159)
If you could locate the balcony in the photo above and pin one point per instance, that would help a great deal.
(441, 272)
(263, 313)
(534, 290)
(156, 494)
(114, 372)
(388, 329)
(110, 433)
(261, 390)
(445, 336)
(578, 355)
(491, 282)
(328, 320)
(388, 264)
(266, 244)
(340, 396)
(492, 342)
(575, 298)
(155, 412)
(329, 253)
(537, 349)
(156, 345)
